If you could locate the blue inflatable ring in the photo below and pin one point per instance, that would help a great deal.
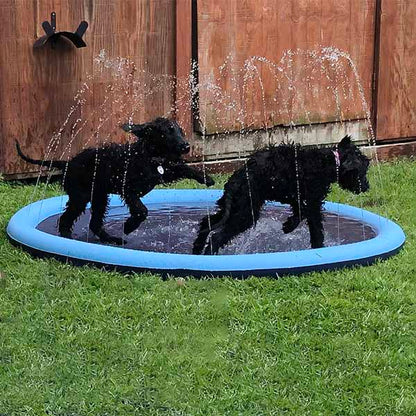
(22, 231)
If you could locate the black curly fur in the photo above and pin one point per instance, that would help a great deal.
(273, 174)
(129, 170)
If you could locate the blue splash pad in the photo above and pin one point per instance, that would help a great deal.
(382, 239)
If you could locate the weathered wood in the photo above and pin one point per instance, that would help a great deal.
(392, 151)
(235, 30)
(396, 116)
(384, 153)
(376, 68)
(234, 144)
(38, 86)
(183, 111)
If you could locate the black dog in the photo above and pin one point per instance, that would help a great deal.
(129, 170)
(290, 174)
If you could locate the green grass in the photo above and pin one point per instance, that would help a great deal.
(80, 341)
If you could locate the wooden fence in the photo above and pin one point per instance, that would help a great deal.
(39, 88)
(138, 60)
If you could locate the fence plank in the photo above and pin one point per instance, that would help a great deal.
(396, 115)
(183, 64)
(233, 31)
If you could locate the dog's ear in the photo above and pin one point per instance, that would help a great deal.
(137, 129)
(345, 142)
(127, 127)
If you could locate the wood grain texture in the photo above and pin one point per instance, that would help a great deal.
(41, 88)
(396, 116)
(304, 92)
(183, 96)
(392, 151)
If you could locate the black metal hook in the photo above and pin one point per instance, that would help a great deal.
(52, 36)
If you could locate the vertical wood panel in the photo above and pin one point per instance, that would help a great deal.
(396, 116)
(268, 28)
(183, 64)
(38, 86)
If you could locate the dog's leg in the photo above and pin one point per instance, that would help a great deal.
(138, 213)
(237, 223)
(74, 208)
(200, 240)
(314, 219)
(294, 220)
(217, 239)
(207, 225)
(99, 205)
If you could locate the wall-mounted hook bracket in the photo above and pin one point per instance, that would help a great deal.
(52, 35)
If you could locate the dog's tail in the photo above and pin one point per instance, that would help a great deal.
(59, 164)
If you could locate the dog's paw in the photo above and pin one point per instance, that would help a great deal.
(109, 239)
(65, 234)
(128, 228)
(196, 250)
(130, 225)
(209, 181)
(317, 244)
(209, 251)
(116, 241)
(289, 225)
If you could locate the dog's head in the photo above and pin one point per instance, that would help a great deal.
(353, 167)
(163, 137)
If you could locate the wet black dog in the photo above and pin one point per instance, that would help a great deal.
(290, 174)
(129, 170)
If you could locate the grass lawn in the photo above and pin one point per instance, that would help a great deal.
(80, 341)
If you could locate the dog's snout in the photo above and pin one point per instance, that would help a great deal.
(365, 187)
(185, 147)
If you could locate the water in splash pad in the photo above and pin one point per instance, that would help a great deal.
(172, 229)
